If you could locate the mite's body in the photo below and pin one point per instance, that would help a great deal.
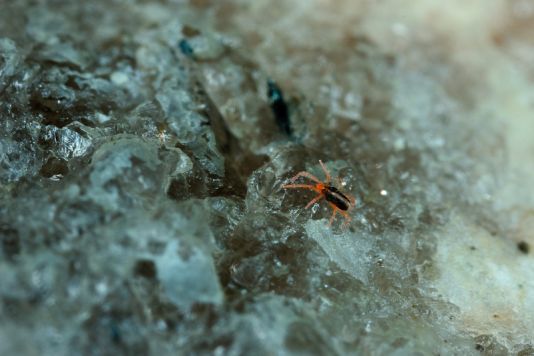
(334, 196)
(338, 201)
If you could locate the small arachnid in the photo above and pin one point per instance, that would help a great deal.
(339, 201)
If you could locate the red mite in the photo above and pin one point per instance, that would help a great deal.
(339, 201)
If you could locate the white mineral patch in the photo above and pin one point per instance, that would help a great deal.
(489, 279)
(119, 78)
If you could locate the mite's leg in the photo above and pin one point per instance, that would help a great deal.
(347, 218)
(333, 215)
(304, 186)
(327, 174)
(314, 200)
(307, 175)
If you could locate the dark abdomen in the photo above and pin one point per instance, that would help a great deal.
(334, 196)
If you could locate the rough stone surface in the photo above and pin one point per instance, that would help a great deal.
(143, 146)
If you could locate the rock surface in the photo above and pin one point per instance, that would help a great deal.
(143, 146)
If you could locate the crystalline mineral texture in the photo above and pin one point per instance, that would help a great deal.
(143, 146)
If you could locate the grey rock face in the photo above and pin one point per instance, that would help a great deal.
(143, 149)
